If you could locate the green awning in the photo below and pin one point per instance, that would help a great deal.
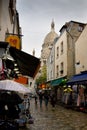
(56, 82)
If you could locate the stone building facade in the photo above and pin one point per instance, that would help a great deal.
(9, 19)
(9, 26)
(81, 52)
(51, 63)
(64, 52)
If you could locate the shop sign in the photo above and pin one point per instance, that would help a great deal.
(14, 41)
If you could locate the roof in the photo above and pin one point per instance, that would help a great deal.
(28, 64)
(68, 23)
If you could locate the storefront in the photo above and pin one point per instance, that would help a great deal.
(57, 87)
(79, 85)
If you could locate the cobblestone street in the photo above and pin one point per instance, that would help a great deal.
(58, 119)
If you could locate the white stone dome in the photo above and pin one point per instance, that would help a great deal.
(48, 42)
(51, 35)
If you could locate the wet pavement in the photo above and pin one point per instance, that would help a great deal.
(58, 119)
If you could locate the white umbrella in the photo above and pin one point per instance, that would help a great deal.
(13, 86)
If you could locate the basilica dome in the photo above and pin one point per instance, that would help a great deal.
(48, 42)
(51, 35)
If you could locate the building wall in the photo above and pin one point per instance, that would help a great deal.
(74, 32)
(61, 56)
(65, 51)
(0, 12)
(51, 64)
(81, 52)
(7, 19)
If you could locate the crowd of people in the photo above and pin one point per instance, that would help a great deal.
(46, 97)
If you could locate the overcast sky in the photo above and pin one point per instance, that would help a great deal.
(36, 16)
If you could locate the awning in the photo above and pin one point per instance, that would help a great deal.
(78, 79)
(57, 82)
(3, 44)
(28, 64)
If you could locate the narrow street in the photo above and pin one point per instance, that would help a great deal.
(58, 119)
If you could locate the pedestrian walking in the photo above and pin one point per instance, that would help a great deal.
(35, 99)
(40, 94)
(46, 98)
(53, 100)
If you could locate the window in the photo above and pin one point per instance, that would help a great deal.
(44, 62)
(57, 71)
(61, 47)
(51, 58)
(30, 83)
(62, 67)
(80, 28)
(57, 52)
(12, 9)
(51, 74)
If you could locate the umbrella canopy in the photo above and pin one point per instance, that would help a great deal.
(13, 86)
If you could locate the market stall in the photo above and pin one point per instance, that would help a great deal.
(79, 86)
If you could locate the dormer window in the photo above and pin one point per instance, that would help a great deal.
(80, 28)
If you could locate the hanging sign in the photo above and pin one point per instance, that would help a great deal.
(14, 41)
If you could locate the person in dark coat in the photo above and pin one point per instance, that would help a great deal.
(35, 99)
(46, 98)
(13, 111)
(40, 94)
(53, 100)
